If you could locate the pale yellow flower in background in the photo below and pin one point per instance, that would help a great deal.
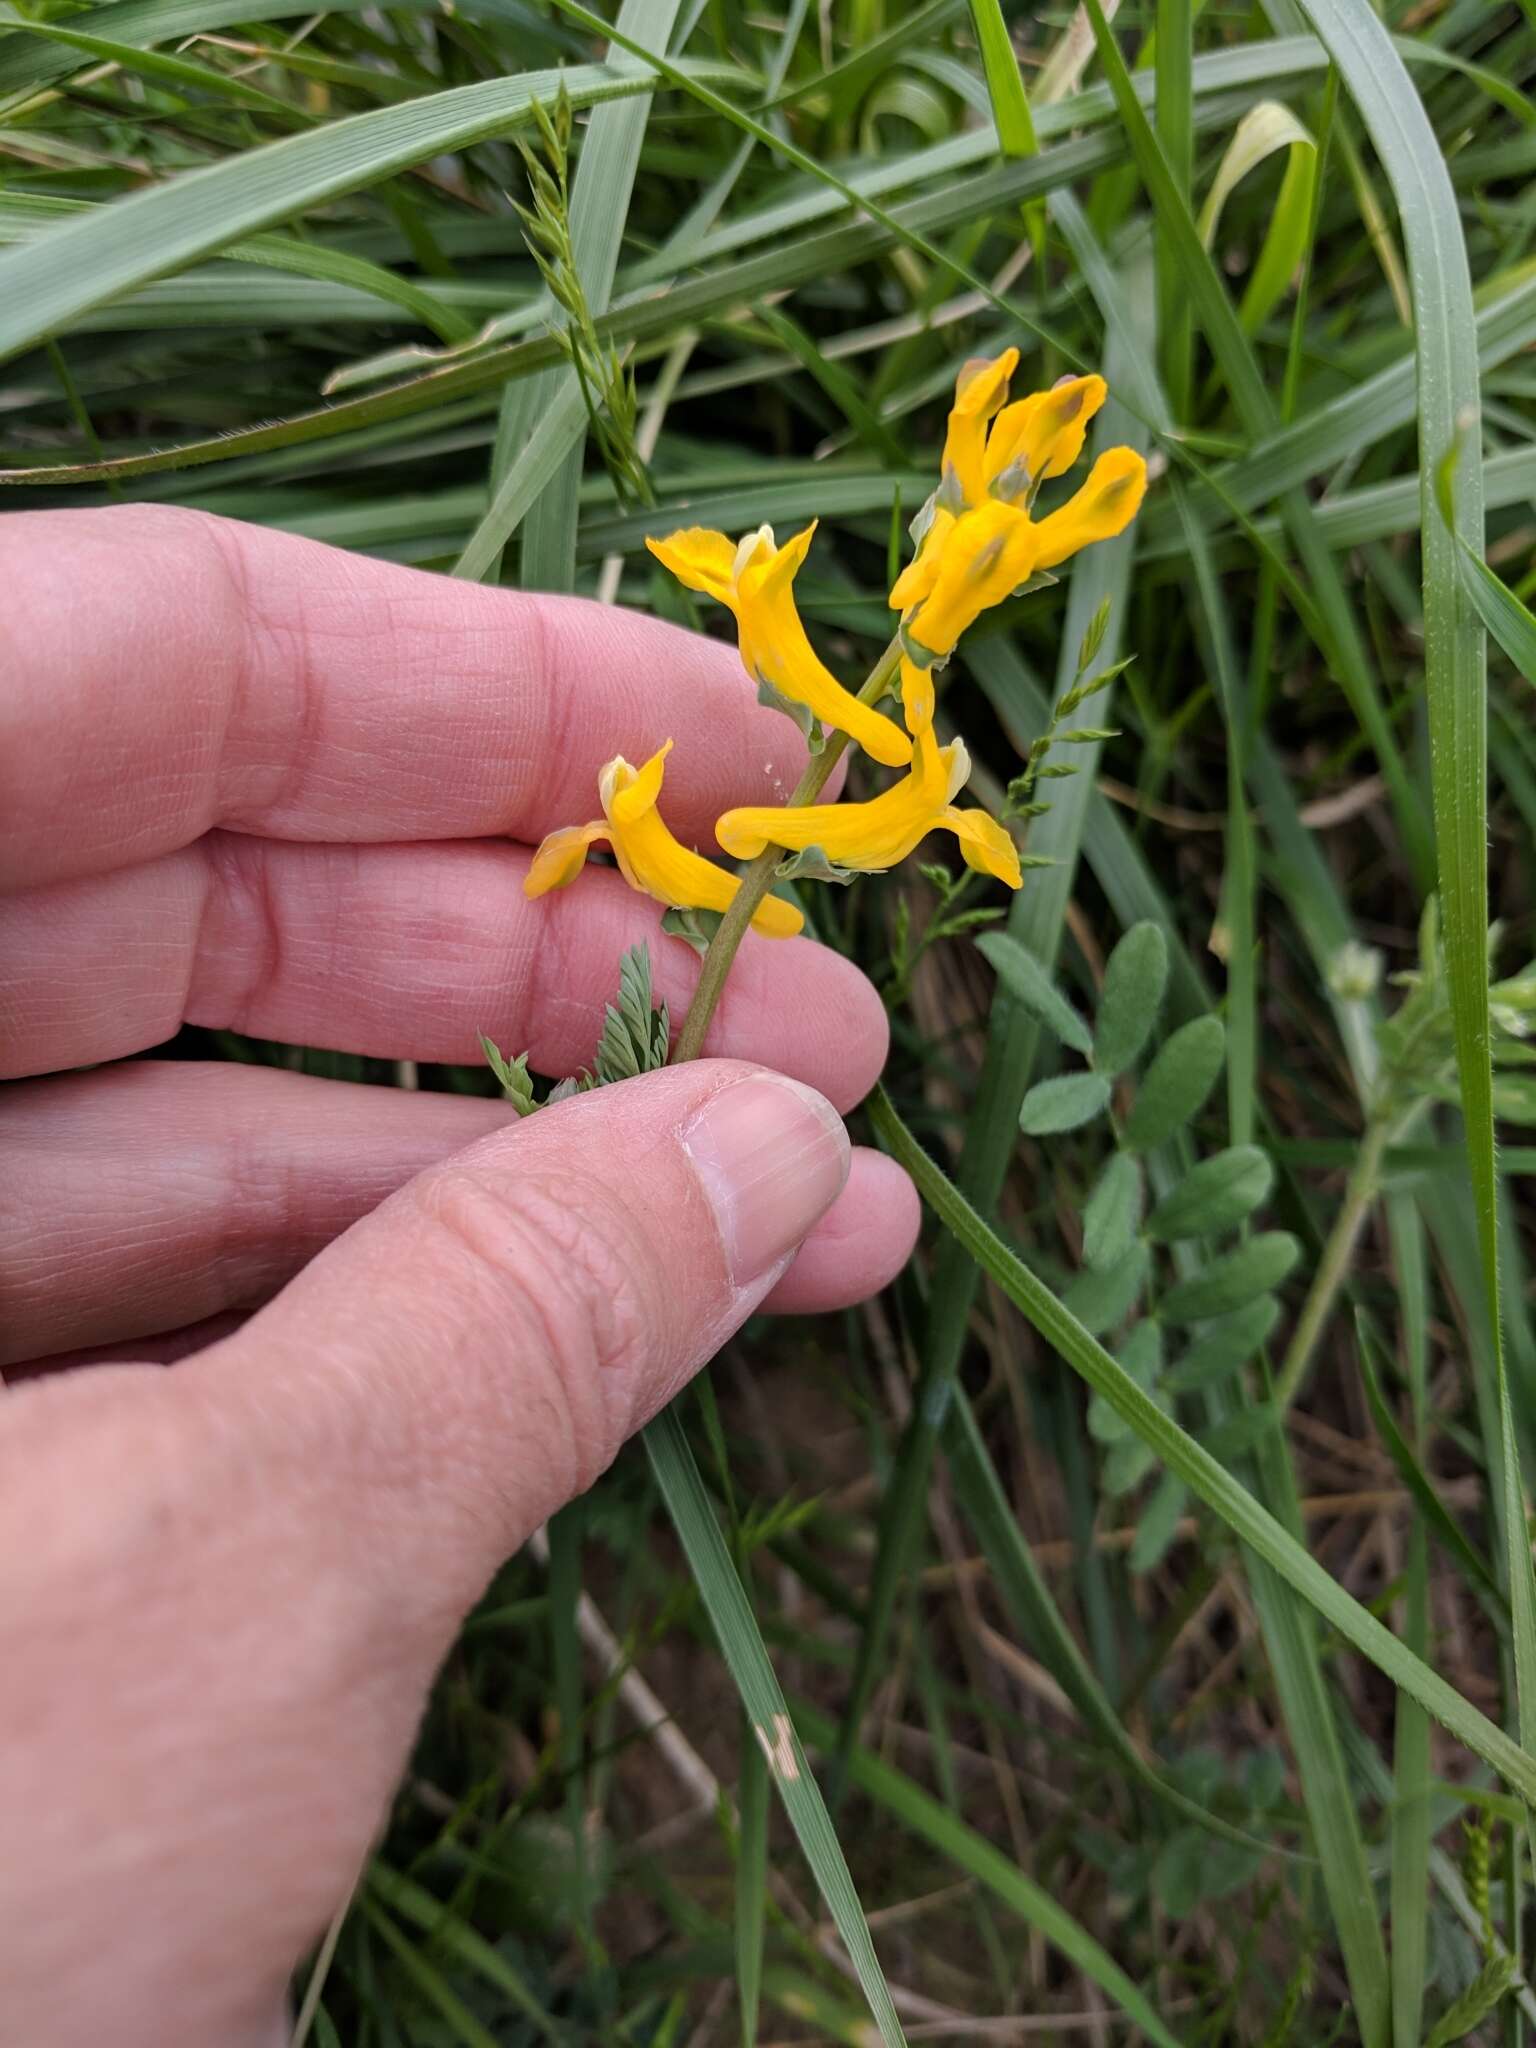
(755, 578)
(873, 836)
(649, 858)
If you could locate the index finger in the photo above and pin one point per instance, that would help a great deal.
(164, 671)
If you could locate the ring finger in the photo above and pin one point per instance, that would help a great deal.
(152, 1196)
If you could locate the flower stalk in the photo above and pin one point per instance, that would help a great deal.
(757, 876)
(1361, 1191)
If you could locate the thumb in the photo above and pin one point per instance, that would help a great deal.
(483, 1343)
(241, 1574)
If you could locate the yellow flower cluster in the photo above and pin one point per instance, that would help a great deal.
(977, 543)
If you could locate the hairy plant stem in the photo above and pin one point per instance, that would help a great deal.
(757, 877)
(1360, 1192)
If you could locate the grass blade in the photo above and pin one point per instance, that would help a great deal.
(1011, 116)
(1412, 1820)
(742, 1647)
(1040, 1620)
(1455, 670)
(972, 1853)
(49, 282)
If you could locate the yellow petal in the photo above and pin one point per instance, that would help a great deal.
(1042, 435)
(699, 558)
(781, 569)
(776, 649)
(916, 580)
(658, 864)
(776, 919)
(984, 845)
(989, 554)
(983, 382)
(1105, 506)
(629, 792)
(979, 390)
(916, 695)
(871, 836)
(561, 856)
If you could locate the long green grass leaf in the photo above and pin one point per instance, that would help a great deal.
(51, 281)
(1455, 672)
(972, 1853)
(742, 1647)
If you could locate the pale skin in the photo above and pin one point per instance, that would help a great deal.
(294, 1365)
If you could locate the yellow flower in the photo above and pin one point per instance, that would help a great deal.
(875, 835)
(980, 541)
(1103, 507)
(1042, 435)
(649, 857)
(978, 560)
(755, 578)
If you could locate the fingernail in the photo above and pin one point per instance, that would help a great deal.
(771, 1156)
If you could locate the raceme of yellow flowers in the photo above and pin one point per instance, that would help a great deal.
(977, 543)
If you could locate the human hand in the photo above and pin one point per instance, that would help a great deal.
(251, 783)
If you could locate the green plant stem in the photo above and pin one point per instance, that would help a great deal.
(1360, 1193)
(757, 878)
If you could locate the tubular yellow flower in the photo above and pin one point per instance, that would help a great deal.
(755, 578)
(979, 542)
(650, 859)
(1042, 435)
(1104, 506)
(980, 389)
(981, 560)
(876, 835)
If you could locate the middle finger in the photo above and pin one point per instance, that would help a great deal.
(394, 952)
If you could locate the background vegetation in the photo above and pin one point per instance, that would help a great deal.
(1095, 1675)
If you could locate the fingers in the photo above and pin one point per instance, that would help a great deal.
(859, 1246)
(149, 1197)
(393, 952)
(240, 1575)
(167, 672)
(145, 1199)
